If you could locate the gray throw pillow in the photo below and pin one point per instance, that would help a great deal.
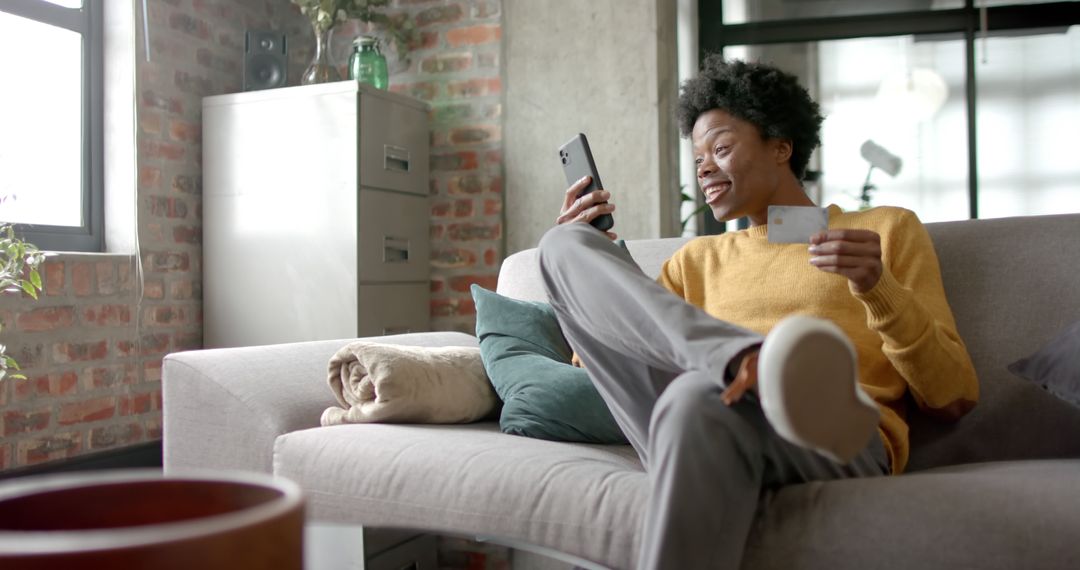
(1056, 366)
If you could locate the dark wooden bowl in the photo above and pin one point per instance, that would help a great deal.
(142, 519)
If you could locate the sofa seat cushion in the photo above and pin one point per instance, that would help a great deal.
(1002, 515)
(472, 479)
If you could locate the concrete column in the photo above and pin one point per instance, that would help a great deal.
(606, 68)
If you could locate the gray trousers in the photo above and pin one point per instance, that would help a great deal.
(659, 364)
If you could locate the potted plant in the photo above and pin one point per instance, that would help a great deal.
(325, 14)
(19, 262)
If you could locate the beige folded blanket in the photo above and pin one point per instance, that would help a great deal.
(376, 382)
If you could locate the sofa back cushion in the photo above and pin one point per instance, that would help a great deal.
(1012, 285)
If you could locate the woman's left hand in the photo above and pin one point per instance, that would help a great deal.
(855, 254)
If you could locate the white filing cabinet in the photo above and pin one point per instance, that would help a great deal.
(315, 215)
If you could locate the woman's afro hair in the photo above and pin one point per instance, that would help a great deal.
(760, 94)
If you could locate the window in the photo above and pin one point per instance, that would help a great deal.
(51, 111)
(980, 118)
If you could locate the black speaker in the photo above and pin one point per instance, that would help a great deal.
(265, 60)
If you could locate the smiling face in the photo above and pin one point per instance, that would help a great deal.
(741, 172)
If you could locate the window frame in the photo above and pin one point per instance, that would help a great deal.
(715, 35)
(86, 21)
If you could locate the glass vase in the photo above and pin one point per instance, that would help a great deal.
(322, 68)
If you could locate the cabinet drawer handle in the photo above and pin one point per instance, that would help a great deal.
(395, 250)
(395, 158)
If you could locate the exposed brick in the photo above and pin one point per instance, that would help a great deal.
(46, 319)
(424, 40)
(463, 160)
(57, 384)
(152, 371)
(463, 208)
(54, 446)
(108, 376)
(185, 290)
(440, 209)
(82, 279)
(184, 131)
(153, 428)
(438, 15)
(16, 422)
(153, 289)
(87, 411)
(187, 234)
(162, 150)
(493, 158)
(164, 316)
(492, 207)
(216, 62)
(466, 184)
(451, 307)
(491, 257)
(5, 456)
(164, 262)
(450, 258)
(135, 404)
(485, 9)
(149, 178)
(475, 134)
(106, 277)
(162, 207)
(437, 284)
(189, 25)
(124, 273)
(154, 344)
(474, 87)
(451, 113)
(446, 62)
(150, 123)
(496, 185)
(462, 283)
(186, 341)
(107, 315)
(474, 35)
(187, 184)
(154, 100)
(436, 231)
(423, 90)
(79, 351)
(473, 231)
(115, 435)
(488, 60)
(54, 278)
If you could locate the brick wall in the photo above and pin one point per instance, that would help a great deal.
(92, 346)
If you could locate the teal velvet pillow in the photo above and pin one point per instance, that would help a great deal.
(528, 361)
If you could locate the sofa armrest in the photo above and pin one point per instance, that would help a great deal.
(223, 408)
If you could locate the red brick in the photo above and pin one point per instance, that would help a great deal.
(474, 35)
(191, 340)
(187, 184)
(149, 178)
(153, 100)
(82, 279)
(436, 231)
(424, 40)
(184, 131)
(440, 209)
(162, 150)
(487, 60)
(162, 207)
(492, 207)
(46, 319)
(479, 87)
(446, 62)
(462, 283)
(165, 262)
(212, 60)
(491, 257)
(153, 344)
(57, 384)
(79, 351)
(135, 404)
(451, 258)
(463, 208)
(125, 348)
(107, 315)
(116, 435)
(189, 25)
(54, 446)
(464, 160)
(153, 289)
(423, 90)
(150, 123)
(152, 371)
(193, 85)
(16, 422)
(466, 184)
(108, 376)
(488, 9)
(5, 456)
(124, 276)
(437, 284)
(106, 277)
(496, 185)
(87, 411)
(184, 290)
(164, 315)
(187, 234)
(54, 278)
(493, 158)
(153, 428)
(473, 231)
(438, 15)
(476, 134)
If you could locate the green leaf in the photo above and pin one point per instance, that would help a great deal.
(29, 289)
(35, 279)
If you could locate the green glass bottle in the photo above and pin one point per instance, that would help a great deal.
(367, 64)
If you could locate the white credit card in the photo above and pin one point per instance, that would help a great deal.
(795, 224)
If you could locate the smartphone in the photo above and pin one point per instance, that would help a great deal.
(577, 162)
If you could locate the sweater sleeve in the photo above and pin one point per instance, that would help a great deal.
(908, 308)
(671, 276)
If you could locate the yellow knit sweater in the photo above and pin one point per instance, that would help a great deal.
(902, 329)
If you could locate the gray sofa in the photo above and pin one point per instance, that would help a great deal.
(1000, 489)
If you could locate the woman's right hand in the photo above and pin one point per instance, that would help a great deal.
(586, 208)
